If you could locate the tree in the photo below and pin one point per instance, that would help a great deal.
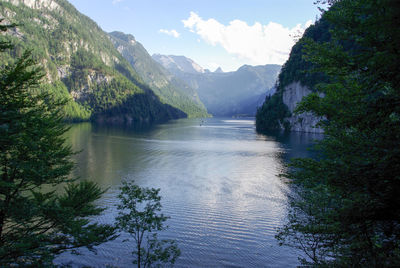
(347, 212)
(140, 216)
(37, 219)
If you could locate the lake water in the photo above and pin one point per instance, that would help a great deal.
(219, 184)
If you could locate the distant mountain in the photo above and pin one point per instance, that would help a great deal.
(229, 93)
(178, 64)
(218, 70)
(81, 64)
(170, 89)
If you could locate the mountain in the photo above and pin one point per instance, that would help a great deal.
(178, 64)
(295, 81)
(227, 93)
(81, 64)
(218, 70)
(170, 89)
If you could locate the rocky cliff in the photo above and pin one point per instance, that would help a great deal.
(305, 122)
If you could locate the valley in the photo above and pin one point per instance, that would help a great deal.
(162, 133)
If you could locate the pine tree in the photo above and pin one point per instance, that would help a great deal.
(37, 219)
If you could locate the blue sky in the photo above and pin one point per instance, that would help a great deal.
(211, 32)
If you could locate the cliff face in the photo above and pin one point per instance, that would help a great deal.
(305, 122)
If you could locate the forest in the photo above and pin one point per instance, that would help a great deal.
(346, 209)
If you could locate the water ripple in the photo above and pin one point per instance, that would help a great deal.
(219, 184)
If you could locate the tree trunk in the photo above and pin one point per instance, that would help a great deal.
(138, 247)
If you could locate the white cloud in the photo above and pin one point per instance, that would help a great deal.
(259, 44)
(116, 1)
(173, 33)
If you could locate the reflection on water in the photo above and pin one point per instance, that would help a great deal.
(218, 183)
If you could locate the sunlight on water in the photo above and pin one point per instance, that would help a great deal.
(240, 122)
(219, 184)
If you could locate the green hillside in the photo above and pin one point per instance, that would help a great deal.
(80, 61)
(170, 89)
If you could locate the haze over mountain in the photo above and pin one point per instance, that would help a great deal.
(178, 64)
(225, 94)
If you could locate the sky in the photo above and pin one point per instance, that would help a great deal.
(214, 33)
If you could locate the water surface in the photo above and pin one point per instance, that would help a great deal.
(219, 184)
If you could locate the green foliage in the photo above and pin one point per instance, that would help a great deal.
(139, 109)
(36, 221)
(3, 28)
(297, 68)
(139, 215)
(271, 115)
(83, 59)
(347, 211)
(72, 111)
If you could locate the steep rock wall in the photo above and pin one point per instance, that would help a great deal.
(305, 122)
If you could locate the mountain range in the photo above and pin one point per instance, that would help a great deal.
(110, 77)
(178, 64)
(82, 65)
(169, 88)
(225, 93)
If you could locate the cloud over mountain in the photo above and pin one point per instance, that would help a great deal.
(260, 44)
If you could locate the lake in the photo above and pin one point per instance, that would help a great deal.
(219, 184)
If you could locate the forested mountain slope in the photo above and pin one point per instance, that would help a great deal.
(80, 63)
(295, 81)
(170, 89)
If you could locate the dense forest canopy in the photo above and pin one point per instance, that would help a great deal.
(346, 213)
